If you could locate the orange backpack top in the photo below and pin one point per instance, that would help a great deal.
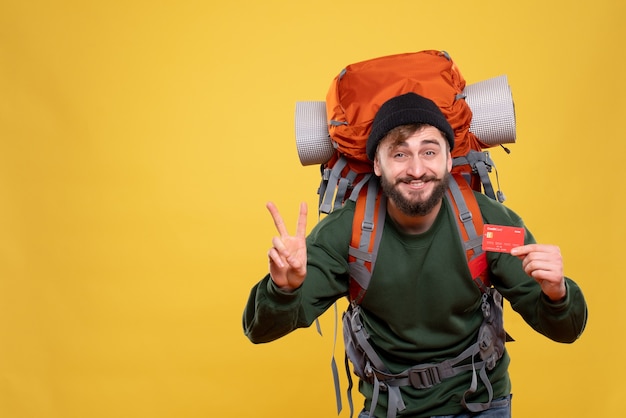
(357, 93)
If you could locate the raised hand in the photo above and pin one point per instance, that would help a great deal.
(287, 257)
(543, 263)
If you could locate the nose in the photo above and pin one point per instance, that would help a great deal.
(415, 168)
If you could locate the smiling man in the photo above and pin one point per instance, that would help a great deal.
(413, 163)
(422, 312)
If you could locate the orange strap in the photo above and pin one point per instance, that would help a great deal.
(368, 219)
(476, 260)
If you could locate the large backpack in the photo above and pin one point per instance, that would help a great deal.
(338, 145)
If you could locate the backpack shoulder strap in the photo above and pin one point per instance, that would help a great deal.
(368, 223)
(470, 226)
(367, 226)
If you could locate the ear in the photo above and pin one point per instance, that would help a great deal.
(449, 162)
(377, 170)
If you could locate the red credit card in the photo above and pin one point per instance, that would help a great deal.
(502, 239)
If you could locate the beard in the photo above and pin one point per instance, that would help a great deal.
(415, 206)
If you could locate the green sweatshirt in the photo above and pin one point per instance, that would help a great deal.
(421, 305)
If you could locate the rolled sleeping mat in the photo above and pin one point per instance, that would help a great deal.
(493, 110)
(312, 138)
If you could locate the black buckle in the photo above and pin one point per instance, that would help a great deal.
(424, 378)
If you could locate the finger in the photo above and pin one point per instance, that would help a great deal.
(284, 263)
(543, 269)
(530, 248)
(540, 272)
(301, 229)
(278, 220)
(280, 247)
(275, 257)
(546, 255)
(523, 250)
(279, 259)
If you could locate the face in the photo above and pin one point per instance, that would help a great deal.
(414, 171)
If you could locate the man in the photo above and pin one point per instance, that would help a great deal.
(421, 306)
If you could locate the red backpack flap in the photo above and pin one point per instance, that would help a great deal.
(357, 93)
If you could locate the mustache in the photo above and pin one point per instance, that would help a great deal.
(424, 178)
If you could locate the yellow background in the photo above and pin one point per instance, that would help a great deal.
(140, 140)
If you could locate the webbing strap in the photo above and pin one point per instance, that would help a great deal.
(475, 242)
(357, 187)
(334, 185)
(374, 365)
(367, 227)
(395, 402)
(480, 163)
(382, 213)
(342, 188)
(360, 255)
(374, 397)
(321, 190)
(481, 169)
(478, 406)
(335, 175)
(427, 375)
(368, 233)
(350, 384)
(465, 215)
(461, 197)
(361, 337)
(333, 367)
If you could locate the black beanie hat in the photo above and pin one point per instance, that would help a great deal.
(407, 109)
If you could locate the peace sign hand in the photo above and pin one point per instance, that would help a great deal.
(288, 257)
